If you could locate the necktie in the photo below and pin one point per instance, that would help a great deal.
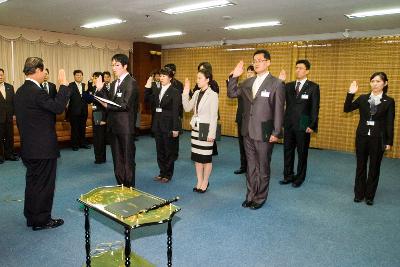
(46, 87)
(298, 88)
(116, 86)
(3, 90)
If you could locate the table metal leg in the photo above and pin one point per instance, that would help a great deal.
(127, 246)
(87, 236)
(169, 244)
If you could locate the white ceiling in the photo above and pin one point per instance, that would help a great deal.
(299, 17)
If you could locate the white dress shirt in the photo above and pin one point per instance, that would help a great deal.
(163, 90)
(257, 83)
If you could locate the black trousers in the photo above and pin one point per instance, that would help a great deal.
(167, 152)
(99, 142)
(243, 160)
(78, 129)
(123, 150)
(368, 148)
(6, 139)
(39, 190)
(292, 140)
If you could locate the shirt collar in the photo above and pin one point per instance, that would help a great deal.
(164, 87)
(376, 96)
(122, 77)
(32, 80)
(302, 81)
(263, 76)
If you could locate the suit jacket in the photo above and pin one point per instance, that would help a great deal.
(213, 85)
(122, 120)
(168, 120)
(77, 105)
(7, 105)
(260, 109)
(36, 111)
(52, 89)
(383, 118)
(207, 111)
(306, 103)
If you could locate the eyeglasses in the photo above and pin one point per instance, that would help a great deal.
(259, 61)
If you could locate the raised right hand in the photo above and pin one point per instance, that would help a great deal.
(62, 78)
(99, 83)
(238, 69)
(149, 82)
(186, 89)
(353, 87)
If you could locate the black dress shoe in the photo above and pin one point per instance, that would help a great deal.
(246, 204)
(85, 146)
(1, 161)
(52, 223)
(369, 202)
(358, 200)
(75, 148)
(195, 189)
(285, 181)
(256, 206)
(297, 183)
(99, 161)
(240, 171)
(164, 180)
(12, 158)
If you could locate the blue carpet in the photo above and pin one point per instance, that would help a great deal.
(315, 225)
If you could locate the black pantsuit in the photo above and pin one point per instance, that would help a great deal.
(374, 132)
(167, 152)
(99, 142)
(39, 190)
(78, 129)
(77, 114)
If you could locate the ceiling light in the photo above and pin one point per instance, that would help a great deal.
(165, 34)
(196, 7)
(253, 25)
(374, 13)
(3, 1)
(102, 23)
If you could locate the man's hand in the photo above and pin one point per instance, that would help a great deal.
(149, 82)
(388, 147)
(186, 89)
(175, 134)
(353, 87)
(62, 78)
(210, 139)
(273, 139)
(282, 75)
(238, 69)
(309, 130)
(99, 86)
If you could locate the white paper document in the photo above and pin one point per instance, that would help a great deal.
(106, 101)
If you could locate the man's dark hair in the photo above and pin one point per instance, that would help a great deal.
(266, 54)
(206, 65)
(31, 64)
(97, 74)
(154, 72)
(206, 73)
(1, 70)
(121, 58)
(106, 73)
(167, 71)
(48, 72)
(305, 62)
(250, 68)
(78, 71)
(171, 66)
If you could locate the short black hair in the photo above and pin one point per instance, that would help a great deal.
(206, 73)
(250, 68)
(305, 62)
(77, 71)
(106, 73)
(167, 71)
(31, 64)
(206, 65)
(97, 74)
(121, 58)
(2, 70)
(48, 72)
(267, 55)
(171, 66)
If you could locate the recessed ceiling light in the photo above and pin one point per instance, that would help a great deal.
(164, 34)
(103, 23)
(196, 7)
(253, 25)
(3, 1)
(374, 13)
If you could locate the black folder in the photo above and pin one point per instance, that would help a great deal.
(266, 128)
(132, 206)
(203, 131)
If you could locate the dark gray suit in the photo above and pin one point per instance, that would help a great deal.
(256, 111)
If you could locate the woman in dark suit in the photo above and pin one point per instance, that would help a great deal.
(374, 133)
(166, 123)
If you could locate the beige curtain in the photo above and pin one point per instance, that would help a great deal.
(6, 59)
(57, 55)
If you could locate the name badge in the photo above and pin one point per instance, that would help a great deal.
(265, 93)
(158, 109)
(119, 94)
(370, 123)
(304, 96)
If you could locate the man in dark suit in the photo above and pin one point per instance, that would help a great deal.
(77, 112)
(176, 84)
(263, 107)
(301, 119)
(35, 111)
(6, 120)
(243, 161)
(49, 87)
(121, 119)
(166, 122)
